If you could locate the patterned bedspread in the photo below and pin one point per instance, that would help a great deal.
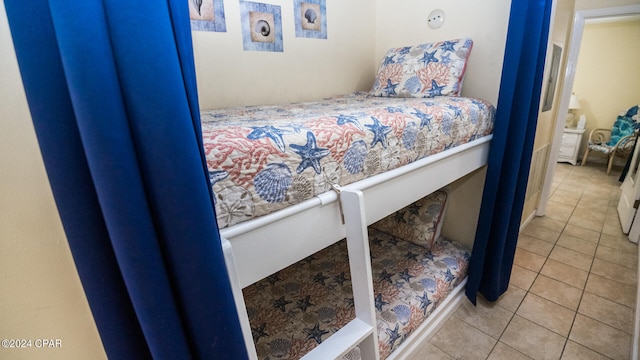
(263, 159)
(300, 306)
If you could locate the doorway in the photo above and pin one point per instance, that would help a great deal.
(579, 19)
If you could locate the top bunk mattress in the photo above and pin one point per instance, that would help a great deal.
(264, 158)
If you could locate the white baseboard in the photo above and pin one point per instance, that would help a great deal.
(527, 220)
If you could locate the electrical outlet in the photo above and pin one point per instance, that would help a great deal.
(436, 19)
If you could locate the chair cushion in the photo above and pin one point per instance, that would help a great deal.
(623, 126)
(632, 113)
(603, 148)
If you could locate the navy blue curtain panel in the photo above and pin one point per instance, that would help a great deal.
(511, 150)
(112, 93)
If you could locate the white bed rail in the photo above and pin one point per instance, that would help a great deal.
(360, 266)
(360, 331)
(261, 247)
(272, 242)
(241, 307)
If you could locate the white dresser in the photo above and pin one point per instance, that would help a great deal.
(571, 138)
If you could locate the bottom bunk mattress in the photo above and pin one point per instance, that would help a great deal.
(263, 159)
(300, 306)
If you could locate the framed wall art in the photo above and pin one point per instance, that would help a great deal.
(207, 15)
(552, 80)
(261, 26)
(310, 18)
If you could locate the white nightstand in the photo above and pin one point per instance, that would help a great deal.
(571, 138)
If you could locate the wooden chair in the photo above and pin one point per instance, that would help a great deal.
(624, 132)
(598, 141)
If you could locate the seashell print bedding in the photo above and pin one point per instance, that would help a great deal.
(264, 158)
(302, 305)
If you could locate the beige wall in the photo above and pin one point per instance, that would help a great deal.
(545, 129)
(599, 4)
(607, 72)
(41, 295)
(464, 208)
(347, 60)
(560, 36)
(308, 69)
(402, 23)
(547, 120)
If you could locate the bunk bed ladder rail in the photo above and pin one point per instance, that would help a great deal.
(360, 331)
(241, 307)
(360, 266)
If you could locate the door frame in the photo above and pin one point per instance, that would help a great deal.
(577, 29)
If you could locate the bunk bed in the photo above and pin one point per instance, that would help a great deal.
(292, 180)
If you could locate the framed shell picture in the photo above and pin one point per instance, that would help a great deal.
(207, 15)
(261, 26)
(310, 18)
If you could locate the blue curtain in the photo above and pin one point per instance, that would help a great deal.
(511, 149)
(112, 93)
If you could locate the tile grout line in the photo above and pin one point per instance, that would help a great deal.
(575, 315)
(584, 289)
(538, 273)
(585, 285)
(527, 291)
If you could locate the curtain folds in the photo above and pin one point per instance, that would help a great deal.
(511, 149)
(112, 92)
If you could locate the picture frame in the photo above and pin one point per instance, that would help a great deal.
(261, 26)
(310, 18)
(552, 80)
(207, 15)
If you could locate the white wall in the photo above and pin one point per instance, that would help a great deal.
(401, 23)
(41, 295)
(307, 69)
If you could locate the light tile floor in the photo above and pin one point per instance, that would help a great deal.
(573, 285)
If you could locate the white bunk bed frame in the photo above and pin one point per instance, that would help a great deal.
(260, 247)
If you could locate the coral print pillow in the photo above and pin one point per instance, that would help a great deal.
(426, 70)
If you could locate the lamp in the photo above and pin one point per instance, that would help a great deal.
(574, 104)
